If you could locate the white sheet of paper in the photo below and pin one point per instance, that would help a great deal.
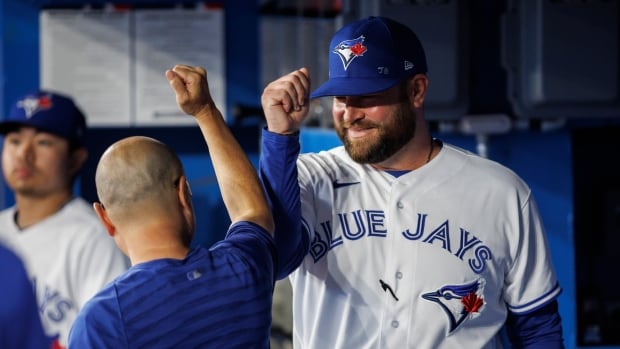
(165, 37)
(86, 55)
(116, 73)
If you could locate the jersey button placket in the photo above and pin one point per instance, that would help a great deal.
(395, 307)
(398, 275)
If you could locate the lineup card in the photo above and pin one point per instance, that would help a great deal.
(112, 62)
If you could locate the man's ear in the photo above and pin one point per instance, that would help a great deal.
(417, 87)
(189, 189)
(103, 217)
(78, 158)
(184, 192)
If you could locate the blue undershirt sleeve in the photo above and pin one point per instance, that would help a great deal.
(278, 174)
(539, 329)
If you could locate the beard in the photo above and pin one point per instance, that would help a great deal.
(391, 137)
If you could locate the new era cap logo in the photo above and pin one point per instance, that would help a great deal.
(408, 65)
(348, 50)
(32, 105)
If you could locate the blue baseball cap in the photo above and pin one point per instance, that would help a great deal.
(371, 55)
(47, 111)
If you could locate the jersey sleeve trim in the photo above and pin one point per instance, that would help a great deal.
(538, 302)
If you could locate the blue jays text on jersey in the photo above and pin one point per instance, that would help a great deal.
(371, 224)
(53, 306)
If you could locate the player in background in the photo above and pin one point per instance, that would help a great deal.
(65, 249)
(413, 242)
(20, 323)
(175, 296)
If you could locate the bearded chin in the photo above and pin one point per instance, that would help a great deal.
(365, 152)
(390, 139)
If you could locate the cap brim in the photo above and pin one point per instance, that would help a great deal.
(353, 87)
(8, 126)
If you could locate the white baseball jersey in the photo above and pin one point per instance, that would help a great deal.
(432, 259)
(69, 257)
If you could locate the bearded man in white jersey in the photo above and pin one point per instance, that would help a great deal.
(407, 241)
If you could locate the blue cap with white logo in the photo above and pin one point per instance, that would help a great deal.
(47, 111)
(371, 55)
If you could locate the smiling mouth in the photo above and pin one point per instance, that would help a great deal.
(359, 132)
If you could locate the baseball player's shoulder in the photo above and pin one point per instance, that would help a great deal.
(80, 212)
(324, 155)
(105, 300)
(331, 162)
(77, 220)
(99, 315)
(7, 212)
(249, 241)
(487, 170)
(7, 223)
(80, 207)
